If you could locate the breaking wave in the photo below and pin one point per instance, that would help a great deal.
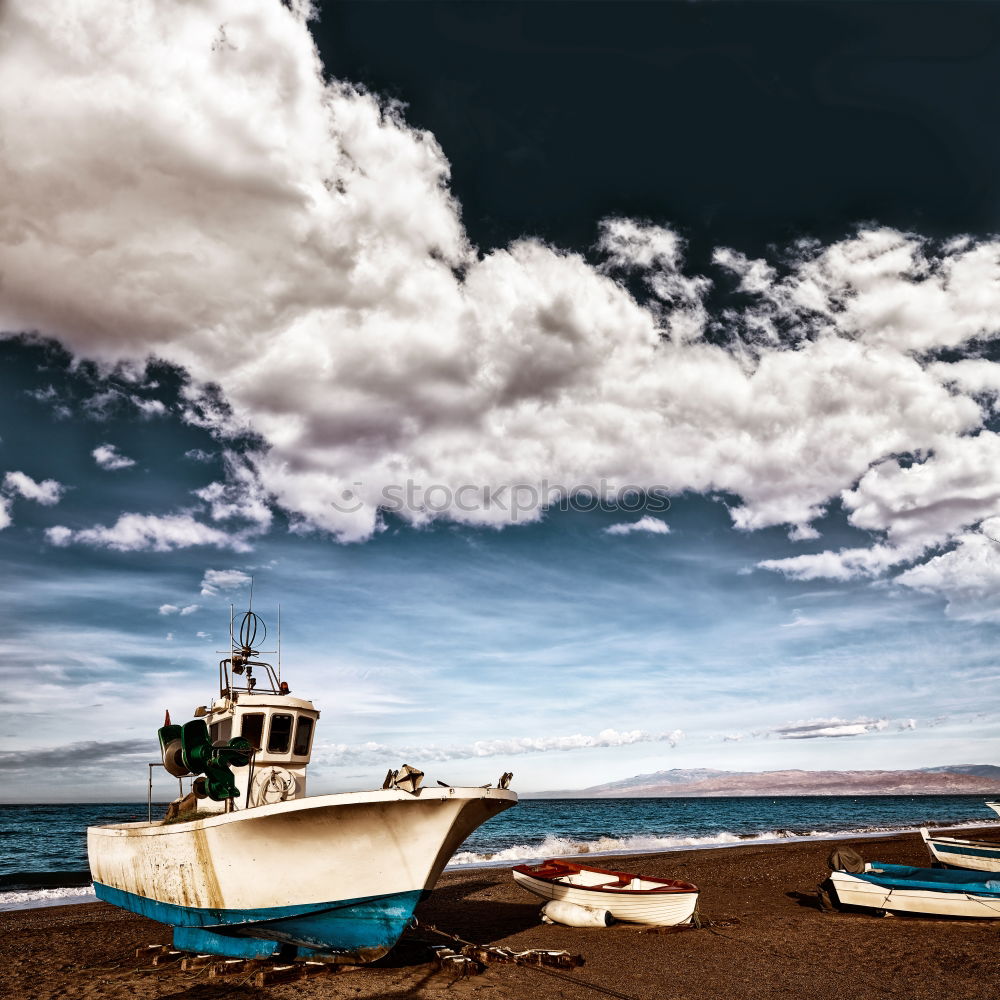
(640, 844)
(27, 899)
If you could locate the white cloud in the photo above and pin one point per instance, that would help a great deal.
(216, 580)
(59, 535)
(173, 609)
(241, 498)
(5, 519)
(650, 525)
(199, 455)
(968, 575)
(917, 505)
(497, 748)
(146, 532)
(847, 564)
(149, 407)
(48, 492)
(108, 457)
(827, 729)
(295, 243)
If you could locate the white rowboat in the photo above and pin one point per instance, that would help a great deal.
(928, 891)
(977, 855)
(661, 902)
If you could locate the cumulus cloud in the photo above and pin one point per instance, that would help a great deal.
(294, 243)
(5, 519)
(968, 575)
(650, 525)
(916, 506)
(343, 752)
(242, 498)
(146, 532)
(216, 580)
(108, 457)
(173, 609)
(48, 492)
(834, 728)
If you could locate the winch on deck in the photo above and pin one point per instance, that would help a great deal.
(255, 721)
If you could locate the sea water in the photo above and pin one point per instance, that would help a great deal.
(43, 848)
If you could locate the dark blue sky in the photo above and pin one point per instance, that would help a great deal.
(742, 124)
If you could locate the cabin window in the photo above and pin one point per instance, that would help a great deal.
(281, 733)
(221, 731)
(303, 734)
(253, 729)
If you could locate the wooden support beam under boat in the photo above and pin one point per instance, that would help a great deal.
(232, 967)
(192, 962)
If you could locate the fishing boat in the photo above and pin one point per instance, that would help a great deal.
(929, 891)
(978, 855)
(248, 865)
(995, 806)
(640, 900)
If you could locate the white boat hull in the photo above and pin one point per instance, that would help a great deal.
(660, 909)
(854, 891)
(976, 855)
(336, 874)
(995, 806)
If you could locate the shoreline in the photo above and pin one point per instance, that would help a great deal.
(767, 940)
(527, 858)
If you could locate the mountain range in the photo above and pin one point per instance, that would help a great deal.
(953, 779)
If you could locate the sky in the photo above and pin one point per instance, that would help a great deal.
(597, 388)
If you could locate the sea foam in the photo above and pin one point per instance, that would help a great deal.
(29, 899)
(563, 847)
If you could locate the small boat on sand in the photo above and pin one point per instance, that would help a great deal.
(978, 855)
(663, 902)
(935, 892)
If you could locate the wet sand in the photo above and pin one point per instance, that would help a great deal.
(766, 939)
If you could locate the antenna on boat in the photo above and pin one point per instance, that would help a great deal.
(250, 607)
(279, 643)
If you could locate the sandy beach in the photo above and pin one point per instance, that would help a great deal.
(765, 939)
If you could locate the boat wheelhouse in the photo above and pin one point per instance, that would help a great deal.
(256, 704)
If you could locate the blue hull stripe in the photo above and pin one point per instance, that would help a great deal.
(972, 852)
(345, 926)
